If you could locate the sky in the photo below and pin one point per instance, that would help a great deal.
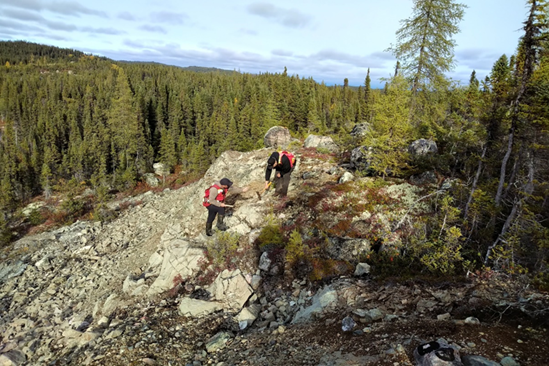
(324, 39)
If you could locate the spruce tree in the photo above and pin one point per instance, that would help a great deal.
(424, 42)
(391, 132)
(167, 150)
(129, 148)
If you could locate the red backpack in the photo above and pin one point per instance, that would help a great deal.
(220, 196)
(290, 157)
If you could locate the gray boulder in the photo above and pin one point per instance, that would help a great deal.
(161, 169)
(360, 129)
(218, 341)
(347, 249)
(150, 179)
(509, 361)
(10, 270)
(277, 136)
(437, 354)
(195, 307)
(231, 289)
(264, 261)
(423, 147)
(348, 324)
(346, 177)
(325, 298)
(248, 315)
(424, 178)
(181, 258)
(375, 314)
(13, 357)
(361, 158)
(470, 360)
(324, 142)
(361, 269)
(32, 207)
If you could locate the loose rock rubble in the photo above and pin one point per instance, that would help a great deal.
(127, 292)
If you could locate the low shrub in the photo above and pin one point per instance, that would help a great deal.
(295, 249)
(389, 263)
(270, 236)
(6, 235)
(326, 268)
(102, 213)
(541, 281)
(73, 208)
(55, 218)
(35, 217)
(222, 247)
(177, 286)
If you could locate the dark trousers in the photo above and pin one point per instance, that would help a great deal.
(282, 184)
(213, 211)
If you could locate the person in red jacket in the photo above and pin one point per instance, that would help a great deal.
(283, 163)
(214, 201)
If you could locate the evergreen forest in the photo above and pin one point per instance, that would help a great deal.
(66, 116)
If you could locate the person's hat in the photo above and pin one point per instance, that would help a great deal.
(226, 182)
(271, 162)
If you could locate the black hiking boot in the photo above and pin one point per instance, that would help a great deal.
(220, 225)
(209, 229)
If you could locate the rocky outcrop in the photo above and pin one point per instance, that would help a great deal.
(423, 147)
(323, 142)
(150, 179)
(347, 249)
(195, 307)
(428, 177)
(276, 137)
(161, 169)
(31, 207)
(323, 300)
(361, 158)
(346, 177)
(231, 289)
(360, 130)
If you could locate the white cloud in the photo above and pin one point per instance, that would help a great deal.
(279, 52)
(102, 30)
(288, 17)
(125, 15)
(168, 17)
(60, 7)
(152, 28)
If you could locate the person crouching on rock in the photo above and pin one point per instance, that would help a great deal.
(283, 162)
(214, 201)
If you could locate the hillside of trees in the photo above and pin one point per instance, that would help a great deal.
(22, 52)
(71, 116)
(186, 68)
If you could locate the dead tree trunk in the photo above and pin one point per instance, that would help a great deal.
(475, 182)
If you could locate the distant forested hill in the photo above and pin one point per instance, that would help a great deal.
(207, 69)
(16, 52)
(187, 68)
